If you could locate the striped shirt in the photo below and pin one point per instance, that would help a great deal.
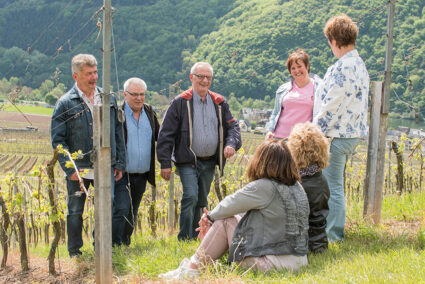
(205, 126)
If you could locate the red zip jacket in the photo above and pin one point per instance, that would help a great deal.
(175, 134)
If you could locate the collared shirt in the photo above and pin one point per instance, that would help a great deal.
(97, 100)
(340, 107)
(139, 141)
(205, 126)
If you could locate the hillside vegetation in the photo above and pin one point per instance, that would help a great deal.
(247, 41)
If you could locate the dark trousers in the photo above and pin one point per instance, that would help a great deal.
(137, 189)
(121, 209)
(74, 218)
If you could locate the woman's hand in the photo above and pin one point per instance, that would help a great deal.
(204, 225)
(269, 135)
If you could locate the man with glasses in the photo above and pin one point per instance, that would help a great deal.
(141, 129)
(72, 127)
(198, 132)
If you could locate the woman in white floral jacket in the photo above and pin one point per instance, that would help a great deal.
(340, 109)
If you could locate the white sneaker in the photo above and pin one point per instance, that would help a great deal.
(183, 272)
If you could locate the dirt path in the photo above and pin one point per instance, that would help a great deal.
(69, 271)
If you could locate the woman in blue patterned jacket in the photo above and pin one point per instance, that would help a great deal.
(340, 109)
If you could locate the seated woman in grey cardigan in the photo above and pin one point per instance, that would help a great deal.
(272, 233)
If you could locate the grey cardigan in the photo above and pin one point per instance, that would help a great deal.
(275, 223)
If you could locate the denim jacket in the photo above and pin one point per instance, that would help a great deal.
(275, 223)
(281, 92)
(72, 126)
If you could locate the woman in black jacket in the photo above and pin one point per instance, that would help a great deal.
(310, 150)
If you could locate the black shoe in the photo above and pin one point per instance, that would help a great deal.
(75, 254)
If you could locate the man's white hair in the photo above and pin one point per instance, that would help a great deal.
(135, 81)
(199, 64)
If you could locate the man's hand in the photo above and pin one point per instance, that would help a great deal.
(165, 173)
(117, 174)
(74, 176)
(229, 151)
(269, 135)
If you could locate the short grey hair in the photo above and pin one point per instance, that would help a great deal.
(199, 64)
(135, 81)
(80, 60)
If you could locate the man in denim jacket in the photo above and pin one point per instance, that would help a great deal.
(72, 127)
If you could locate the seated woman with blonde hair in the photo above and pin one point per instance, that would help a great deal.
(273, 230)
(310, 150)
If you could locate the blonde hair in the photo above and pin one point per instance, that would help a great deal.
(308, 145)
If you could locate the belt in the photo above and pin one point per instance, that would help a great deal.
(205, 158)
(136, 174)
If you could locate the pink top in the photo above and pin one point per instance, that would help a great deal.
(297, 107)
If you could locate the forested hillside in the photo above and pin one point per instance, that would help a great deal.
(250, 48)
(149, 36)
(247, 41)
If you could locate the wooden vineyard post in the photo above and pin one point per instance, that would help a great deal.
(399, 175)
(4, 226)
(217, 185)
(102, 200)
(20, 221)
(53, 212)
(171, 204)
(152, 214)
(373, 202)
(372, 153)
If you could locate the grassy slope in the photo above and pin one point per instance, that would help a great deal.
(369, 254)
(28, 109)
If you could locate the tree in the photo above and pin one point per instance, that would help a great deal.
(46, 87)
(50, 99)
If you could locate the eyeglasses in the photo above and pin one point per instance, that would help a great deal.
(135, 95)
(202, 77)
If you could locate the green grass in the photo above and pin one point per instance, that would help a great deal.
(28, 109)
(404, 207)
(369, 254)
(43, 250)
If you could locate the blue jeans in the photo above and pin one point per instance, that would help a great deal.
(121, 208)
(341, 149)
(74, 217)
(196, 187)
(137, 189)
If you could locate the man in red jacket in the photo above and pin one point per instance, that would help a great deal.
(198, 132)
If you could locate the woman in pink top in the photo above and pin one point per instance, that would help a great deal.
(294, 99)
